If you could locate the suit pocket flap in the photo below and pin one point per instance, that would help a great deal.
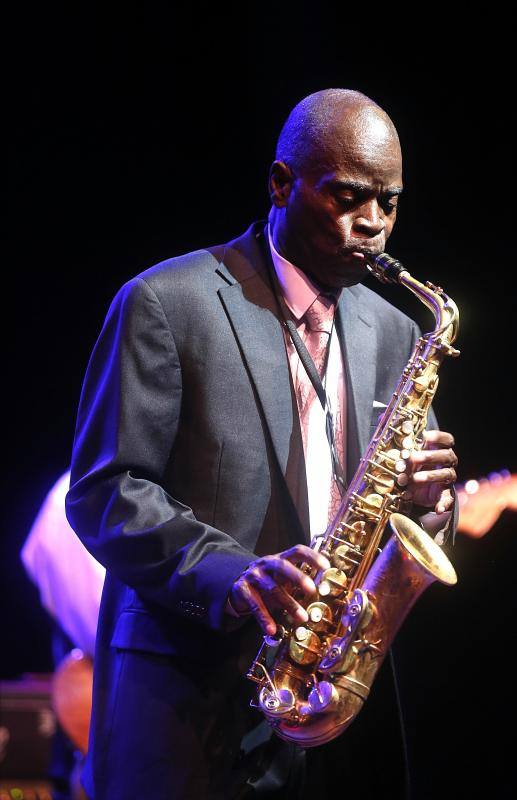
(137, 630)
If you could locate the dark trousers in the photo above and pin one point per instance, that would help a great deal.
(196, 738)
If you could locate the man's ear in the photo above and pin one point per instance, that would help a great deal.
(281, 181)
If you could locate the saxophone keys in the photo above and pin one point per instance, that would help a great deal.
(403, 479)
(421, 384)
(374, 500)
(345, 557)
(382, 485)
(320, 616)
(333, 583)
(390, 458)
(301, 633)
(393, 455)
(276, 640)
(277, 702)
(356, 532)
(304, 646)
(323, 697)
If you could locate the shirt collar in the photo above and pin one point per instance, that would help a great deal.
(299, 292)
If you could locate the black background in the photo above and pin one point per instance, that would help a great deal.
(143, 132)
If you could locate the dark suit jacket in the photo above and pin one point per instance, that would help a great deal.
(186, 465)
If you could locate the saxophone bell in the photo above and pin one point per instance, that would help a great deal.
(423, 549)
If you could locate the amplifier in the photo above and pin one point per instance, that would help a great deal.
(27, 725)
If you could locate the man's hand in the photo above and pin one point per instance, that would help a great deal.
(432, 470)
(270, 582)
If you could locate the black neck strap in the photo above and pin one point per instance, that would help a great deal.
(310, 368)
(308, 363)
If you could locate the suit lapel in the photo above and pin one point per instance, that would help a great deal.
(254, 315)
(260, 336)
(359, 344)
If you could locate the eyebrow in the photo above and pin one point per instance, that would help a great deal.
(356, 186)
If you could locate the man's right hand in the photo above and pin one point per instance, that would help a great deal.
(268, 584)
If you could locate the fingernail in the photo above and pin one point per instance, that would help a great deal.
(310, 586)
(326, 563)
(302, 614)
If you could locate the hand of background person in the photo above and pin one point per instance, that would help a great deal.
(270, 583)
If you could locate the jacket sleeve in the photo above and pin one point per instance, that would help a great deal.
(127, 421)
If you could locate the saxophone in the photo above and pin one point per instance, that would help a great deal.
(313, 679)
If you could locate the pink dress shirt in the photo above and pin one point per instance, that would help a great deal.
(299, 293)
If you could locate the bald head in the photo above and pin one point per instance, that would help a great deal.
(334, 185)
(327, 124)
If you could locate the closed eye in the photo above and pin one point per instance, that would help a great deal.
(347, 202)
(389, 203)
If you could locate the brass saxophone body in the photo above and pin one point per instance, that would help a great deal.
(313, 679)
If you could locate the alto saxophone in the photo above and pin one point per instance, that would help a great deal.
(313, 679)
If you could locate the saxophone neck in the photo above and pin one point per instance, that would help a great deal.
(389, 270)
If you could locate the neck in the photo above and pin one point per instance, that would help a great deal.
(275, 239)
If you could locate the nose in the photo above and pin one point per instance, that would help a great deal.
(369, 221)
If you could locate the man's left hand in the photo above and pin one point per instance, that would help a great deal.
(432, 471)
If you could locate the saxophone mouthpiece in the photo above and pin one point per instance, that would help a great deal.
(385, 268)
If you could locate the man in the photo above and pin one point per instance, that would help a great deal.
(194, 478)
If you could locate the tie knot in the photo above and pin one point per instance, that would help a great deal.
(320, 314)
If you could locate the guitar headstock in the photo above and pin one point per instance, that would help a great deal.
(483, 501)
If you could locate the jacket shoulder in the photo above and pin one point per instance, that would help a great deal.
(172, 283)
(183, 270)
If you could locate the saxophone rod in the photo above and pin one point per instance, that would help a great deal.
(390, 270)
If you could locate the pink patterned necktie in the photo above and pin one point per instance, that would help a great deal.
(318, 319)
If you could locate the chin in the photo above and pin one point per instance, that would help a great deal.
(354, 271)
(339, 272)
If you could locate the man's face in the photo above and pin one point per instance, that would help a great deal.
(344, 209)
